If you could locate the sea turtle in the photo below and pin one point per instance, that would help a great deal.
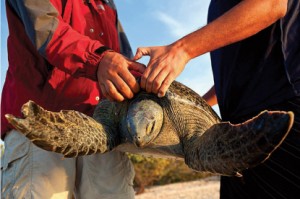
(179, 125)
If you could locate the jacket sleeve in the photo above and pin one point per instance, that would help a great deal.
(55, 40)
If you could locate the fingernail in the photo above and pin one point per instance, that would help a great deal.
(160, 95)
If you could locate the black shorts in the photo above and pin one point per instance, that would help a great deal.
(279, 176)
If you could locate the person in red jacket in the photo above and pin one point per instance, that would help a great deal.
(61, 54)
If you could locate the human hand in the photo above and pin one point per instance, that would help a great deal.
(114, 77)
(166, 63)
(210, 96)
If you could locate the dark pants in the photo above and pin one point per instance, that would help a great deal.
(279, 176)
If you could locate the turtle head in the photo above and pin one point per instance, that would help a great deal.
(144, 121)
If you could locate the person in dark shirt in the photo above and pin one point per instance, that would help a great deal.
(255, 56)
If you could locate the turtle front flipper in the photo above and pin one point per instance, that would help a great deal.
(67, 132)
(227, 149)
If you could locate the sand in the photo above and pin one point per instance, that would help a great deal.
(207, 188)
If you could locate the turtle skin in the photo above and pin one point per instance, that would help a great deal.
(179, 125)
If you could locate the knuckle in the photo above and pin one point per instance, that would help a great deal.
(123, 88)
(150, 80)
(125, 91)
(143, 81)
(112, 92)
(167, 82)
(110, 72)
(156, 84)
(144, 76)
(148, 89)
(149, 84)
(154, 90)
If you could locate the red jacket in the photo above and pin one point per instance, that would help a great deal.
(51, 53)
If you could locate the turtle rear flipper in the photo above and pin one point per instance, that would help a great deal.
(68, 132)
(227, 149)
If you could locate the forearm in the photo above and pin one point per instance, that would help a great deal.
(242, 21)
(210, 97)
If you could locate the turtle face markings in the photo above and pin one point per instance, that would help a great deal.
(144, 121)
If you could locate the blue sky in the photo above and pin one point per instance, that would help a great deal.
(153, 23)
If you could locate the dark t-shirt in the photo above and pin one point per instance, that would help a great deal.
(260, 71)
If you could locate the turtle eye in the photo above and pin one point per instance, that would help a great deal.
(150, 128)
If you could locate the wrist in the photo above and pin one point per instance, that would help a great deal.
(181, 50)
(100, 51)
(93, 60)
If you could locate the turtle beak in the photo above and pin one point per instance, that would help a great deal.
(143, 137)
(138, 142)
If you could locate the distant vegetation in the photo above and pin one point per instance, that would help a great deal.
(158, 171)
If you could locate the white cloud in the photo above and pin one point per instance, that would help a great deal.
(182, 17)
(176, 28)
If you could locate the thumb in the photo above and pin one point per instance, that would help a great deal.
(141, 51)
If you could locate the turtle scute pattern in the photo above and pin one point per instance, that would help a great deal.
(68, 132)
(228, 149)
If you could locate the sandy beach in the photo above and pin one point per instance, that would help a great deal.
(207, 188)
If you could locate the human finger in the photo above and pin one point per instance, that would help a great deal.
(104, 92)
(130, 80)
(132, 65)
(145, 75)
(165, 85)
(112, 91)
(121, 86)
(156, 69)
(142, 51)
(157, 82)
